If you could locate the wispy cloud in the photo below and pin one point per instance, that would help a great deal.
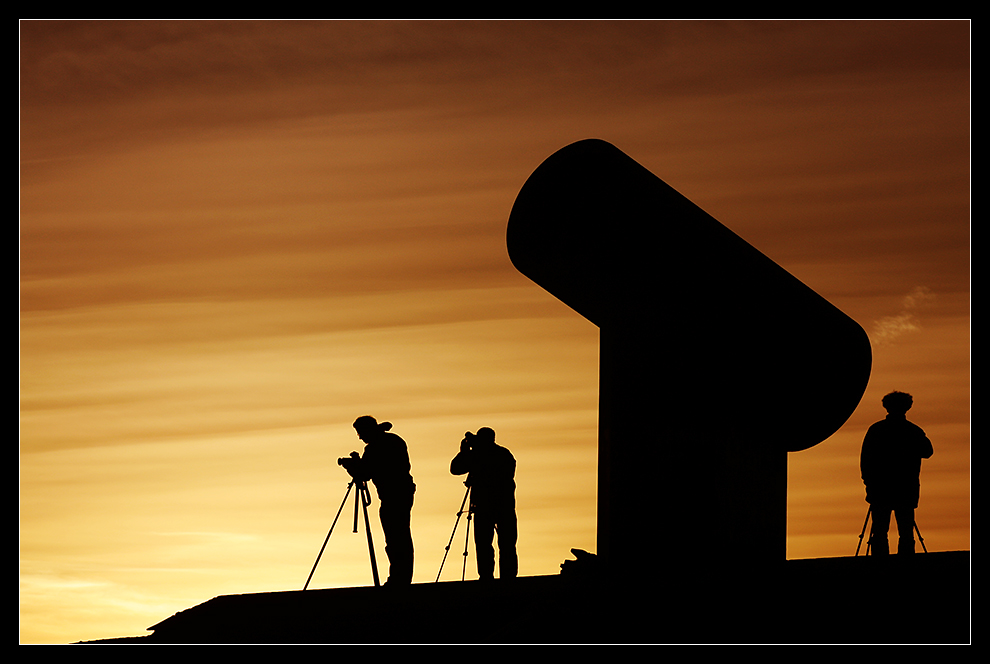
(887, 329)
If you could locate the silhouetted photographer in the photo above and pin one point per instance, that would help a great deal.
(890, 463)
(491, 473)
(385, 463)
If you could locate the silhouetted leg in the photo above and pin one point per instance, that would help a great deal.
(395, 516)
(878, 532)
(905, 530)
(484, 531)
(508, 560)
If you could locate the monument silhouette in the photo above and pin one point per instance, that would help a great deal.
(714, 361)
(715, 364)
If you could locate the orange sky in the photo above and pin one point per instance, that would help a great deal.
(237, 237)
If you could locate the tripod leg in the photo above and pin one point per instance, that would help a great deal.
(467, 539)
(361, 495)
(864, 532)
(357, 499)
(451, 540)
(920, 538)
(320, 555)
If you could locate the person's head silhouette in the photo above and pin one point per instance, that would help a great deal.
(897, 403)
(485, 436)
(368, 427)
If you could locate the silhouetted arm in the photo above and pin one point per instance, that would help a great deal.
(867, 457)
(926, 450)
(508, 466)
(461, 463)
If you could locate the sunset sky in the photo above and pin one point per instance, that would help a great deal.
(236, 237)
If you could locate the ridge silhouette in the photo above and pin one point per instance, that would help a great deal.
(801, 601)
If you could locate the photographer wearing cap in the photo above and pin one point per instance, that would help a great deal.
(386, 463)
(491, 471)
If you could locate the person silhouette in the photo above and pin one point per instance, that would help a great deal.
(386, 463)
(890, 463)
(491, 472)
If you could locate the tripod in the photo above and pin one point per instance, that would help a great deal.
(869, 513)
(446, 549)
(362, 496)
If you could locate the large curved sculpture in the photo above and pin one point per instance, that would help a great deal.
(715, 361)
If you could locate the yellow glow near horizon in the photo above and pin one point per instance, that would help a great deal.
(236, 237)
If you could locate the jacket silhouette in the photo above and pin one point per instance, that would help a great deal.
(890, 463)
(491, 476)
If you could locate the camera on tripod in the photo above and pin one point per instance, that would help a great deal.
(350, 463)
(362, 498)
(483, 438)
